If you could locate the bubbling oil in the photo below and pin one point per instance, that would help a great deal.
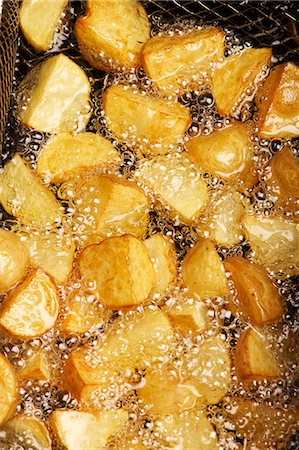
(41, 398)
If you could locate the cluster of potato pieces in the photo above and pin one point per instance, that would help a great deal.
(100, 239)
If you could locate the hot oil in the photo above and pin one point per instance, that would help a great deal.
(41, 398)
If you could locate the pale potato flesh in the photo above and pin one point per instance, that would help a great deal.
(225, 153)
(253, 359)
(26, 429)
(154, 124)
(109, 205)
(162, 254)
(85, 430)
(59, 99)
(177, 182)
(14, 260)
(118, 270)
(190, 316)
(278, 103)
(112, 33)
(258, 299)
(23, 195)
(39, 19)
(31, 308)
(36, 368)
(234, 75)
(8, 390)
(66, 155)
(203, 272)
(169, 60)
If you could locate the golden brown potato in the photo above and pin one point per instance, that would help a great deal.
(26, 430)
(8, 390)
(31, 308)
(119, 270)
(23, 195)
(139, 341)
(36, 368)
(278, 103)
(171, 60)
(258, 299)
(177, 182)
(253, 359)
(52, 252)
(225, 153)
(65, 155)
(275, 242)
(190, 316)
(86, 431)
(140, 119)
(203, 273)
(39, 19)
(59, 96)
(109, 205)
(14, 260)
(235, 75)
(83, 314)
(163, 257)
(112, 33)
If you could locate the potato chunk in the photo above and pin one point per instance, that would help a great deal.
(115, 42)
(225, 153)
(31, 308)
(278, 103)
(14, 260)
(83, 314)
(235, 75)
(169, 60)
(59, 96)
(162, 254)
(65, 155)
(275, 242)
(203, 273)
(25, 430)
(119, 271)
(150, 122)
(140, 340)
(258, 299)
(177, 182)
(109, 205)
(190, 316)
(253, 359)
(8, 390)
(36, 368)
(39, 19)
(86, 431)
(23, 195)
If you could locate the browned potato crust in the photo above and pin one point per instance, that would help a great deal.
(8, 390)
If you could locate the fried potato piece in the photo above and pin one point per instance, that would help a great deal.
(23, 195)
(29, 430)
(139, 341)
(278, 103)
(163, 257)
(235, 75)
(86, 431)
(171, 60)
(119, 271)
(177, 182)
(83, 314)
(59, 96)
(258, 299)
(190, 316)
(39, 19)
(253, 360)
(225, 153)
(65, 155)
(8, 390)
(31, 308)
(108, 205)
(203, 273)
(36, 368)
(188, 430)
(150, 122)
(275, 242)
(116, 42)
(14, 260)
